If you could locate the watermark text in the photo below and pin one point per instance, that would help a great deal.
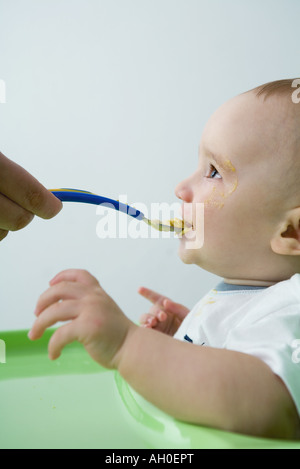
(296, 93)
(2, 351)
(2, 92)
(154, 223)
(296, 353)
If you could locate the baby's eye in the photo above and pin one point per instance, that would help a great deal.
(213, 173)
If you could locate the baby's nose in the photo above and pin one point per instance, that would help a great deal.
(184, 192)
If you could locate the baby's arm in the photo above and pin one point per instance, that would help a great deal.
(207, 386)
(202, 385)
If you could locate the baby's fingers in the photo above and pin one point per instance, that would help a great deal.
(60, 291)
(148, 320)
(162, 316)
(176, 308)
(63, 311)
(151, 320)
(75, 275)
(62, 337)
(154, 297)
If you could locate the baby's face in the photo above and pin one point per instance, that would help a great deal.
(241, 162)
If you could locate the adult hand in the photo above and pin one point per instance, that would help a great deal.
(22, 197)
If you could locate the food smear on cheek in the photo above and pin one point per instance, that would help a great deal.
(217, 196)
(215, 199)
(228, 165)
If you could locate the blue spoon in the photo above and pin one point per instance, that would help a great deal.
(75, 195)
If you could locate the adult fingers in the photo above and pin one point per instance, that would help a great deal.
(12, 216)
(22, 188)
(3, 234)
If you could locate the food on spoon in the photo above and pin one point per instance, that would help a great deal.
(180, 225)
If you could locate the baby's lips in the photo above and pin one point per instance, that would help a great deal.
(188, 227)
(189, 224)
(187, 217)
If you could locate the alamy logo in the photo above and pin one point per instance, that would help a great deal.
(296, 354)
(113, 226)
(2, 92)
(2, 352)
(296, 93)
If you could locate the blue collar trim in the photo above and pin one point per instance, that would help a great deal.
(222, 286)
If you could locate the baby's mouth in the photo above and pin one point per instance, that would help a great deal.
(177, 225)
(187, 219)
(187, 227)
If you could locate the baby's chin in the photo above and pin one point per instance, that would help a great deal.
(188, 256)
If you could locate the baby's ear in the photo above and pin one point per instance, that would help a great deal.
(286, 240)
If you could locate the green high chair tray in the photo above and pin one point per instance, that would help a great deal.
(74, 403)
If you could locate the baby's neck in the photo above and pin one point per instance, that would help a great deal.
(256, 283)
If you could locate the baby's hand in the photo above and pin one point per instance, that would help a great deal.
(165, 315)
(95, 320)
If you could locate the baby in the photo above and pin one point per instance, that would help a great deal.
(228, 363)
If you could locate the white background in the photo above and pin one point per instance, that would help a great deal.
(112, 96)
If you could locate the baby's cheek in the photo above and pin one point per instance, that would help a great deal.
(215, 199)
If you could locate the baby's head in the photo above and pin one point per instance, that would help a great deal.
(248, 179)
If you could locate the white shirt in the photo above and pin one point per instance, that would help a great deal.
(263, 322)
